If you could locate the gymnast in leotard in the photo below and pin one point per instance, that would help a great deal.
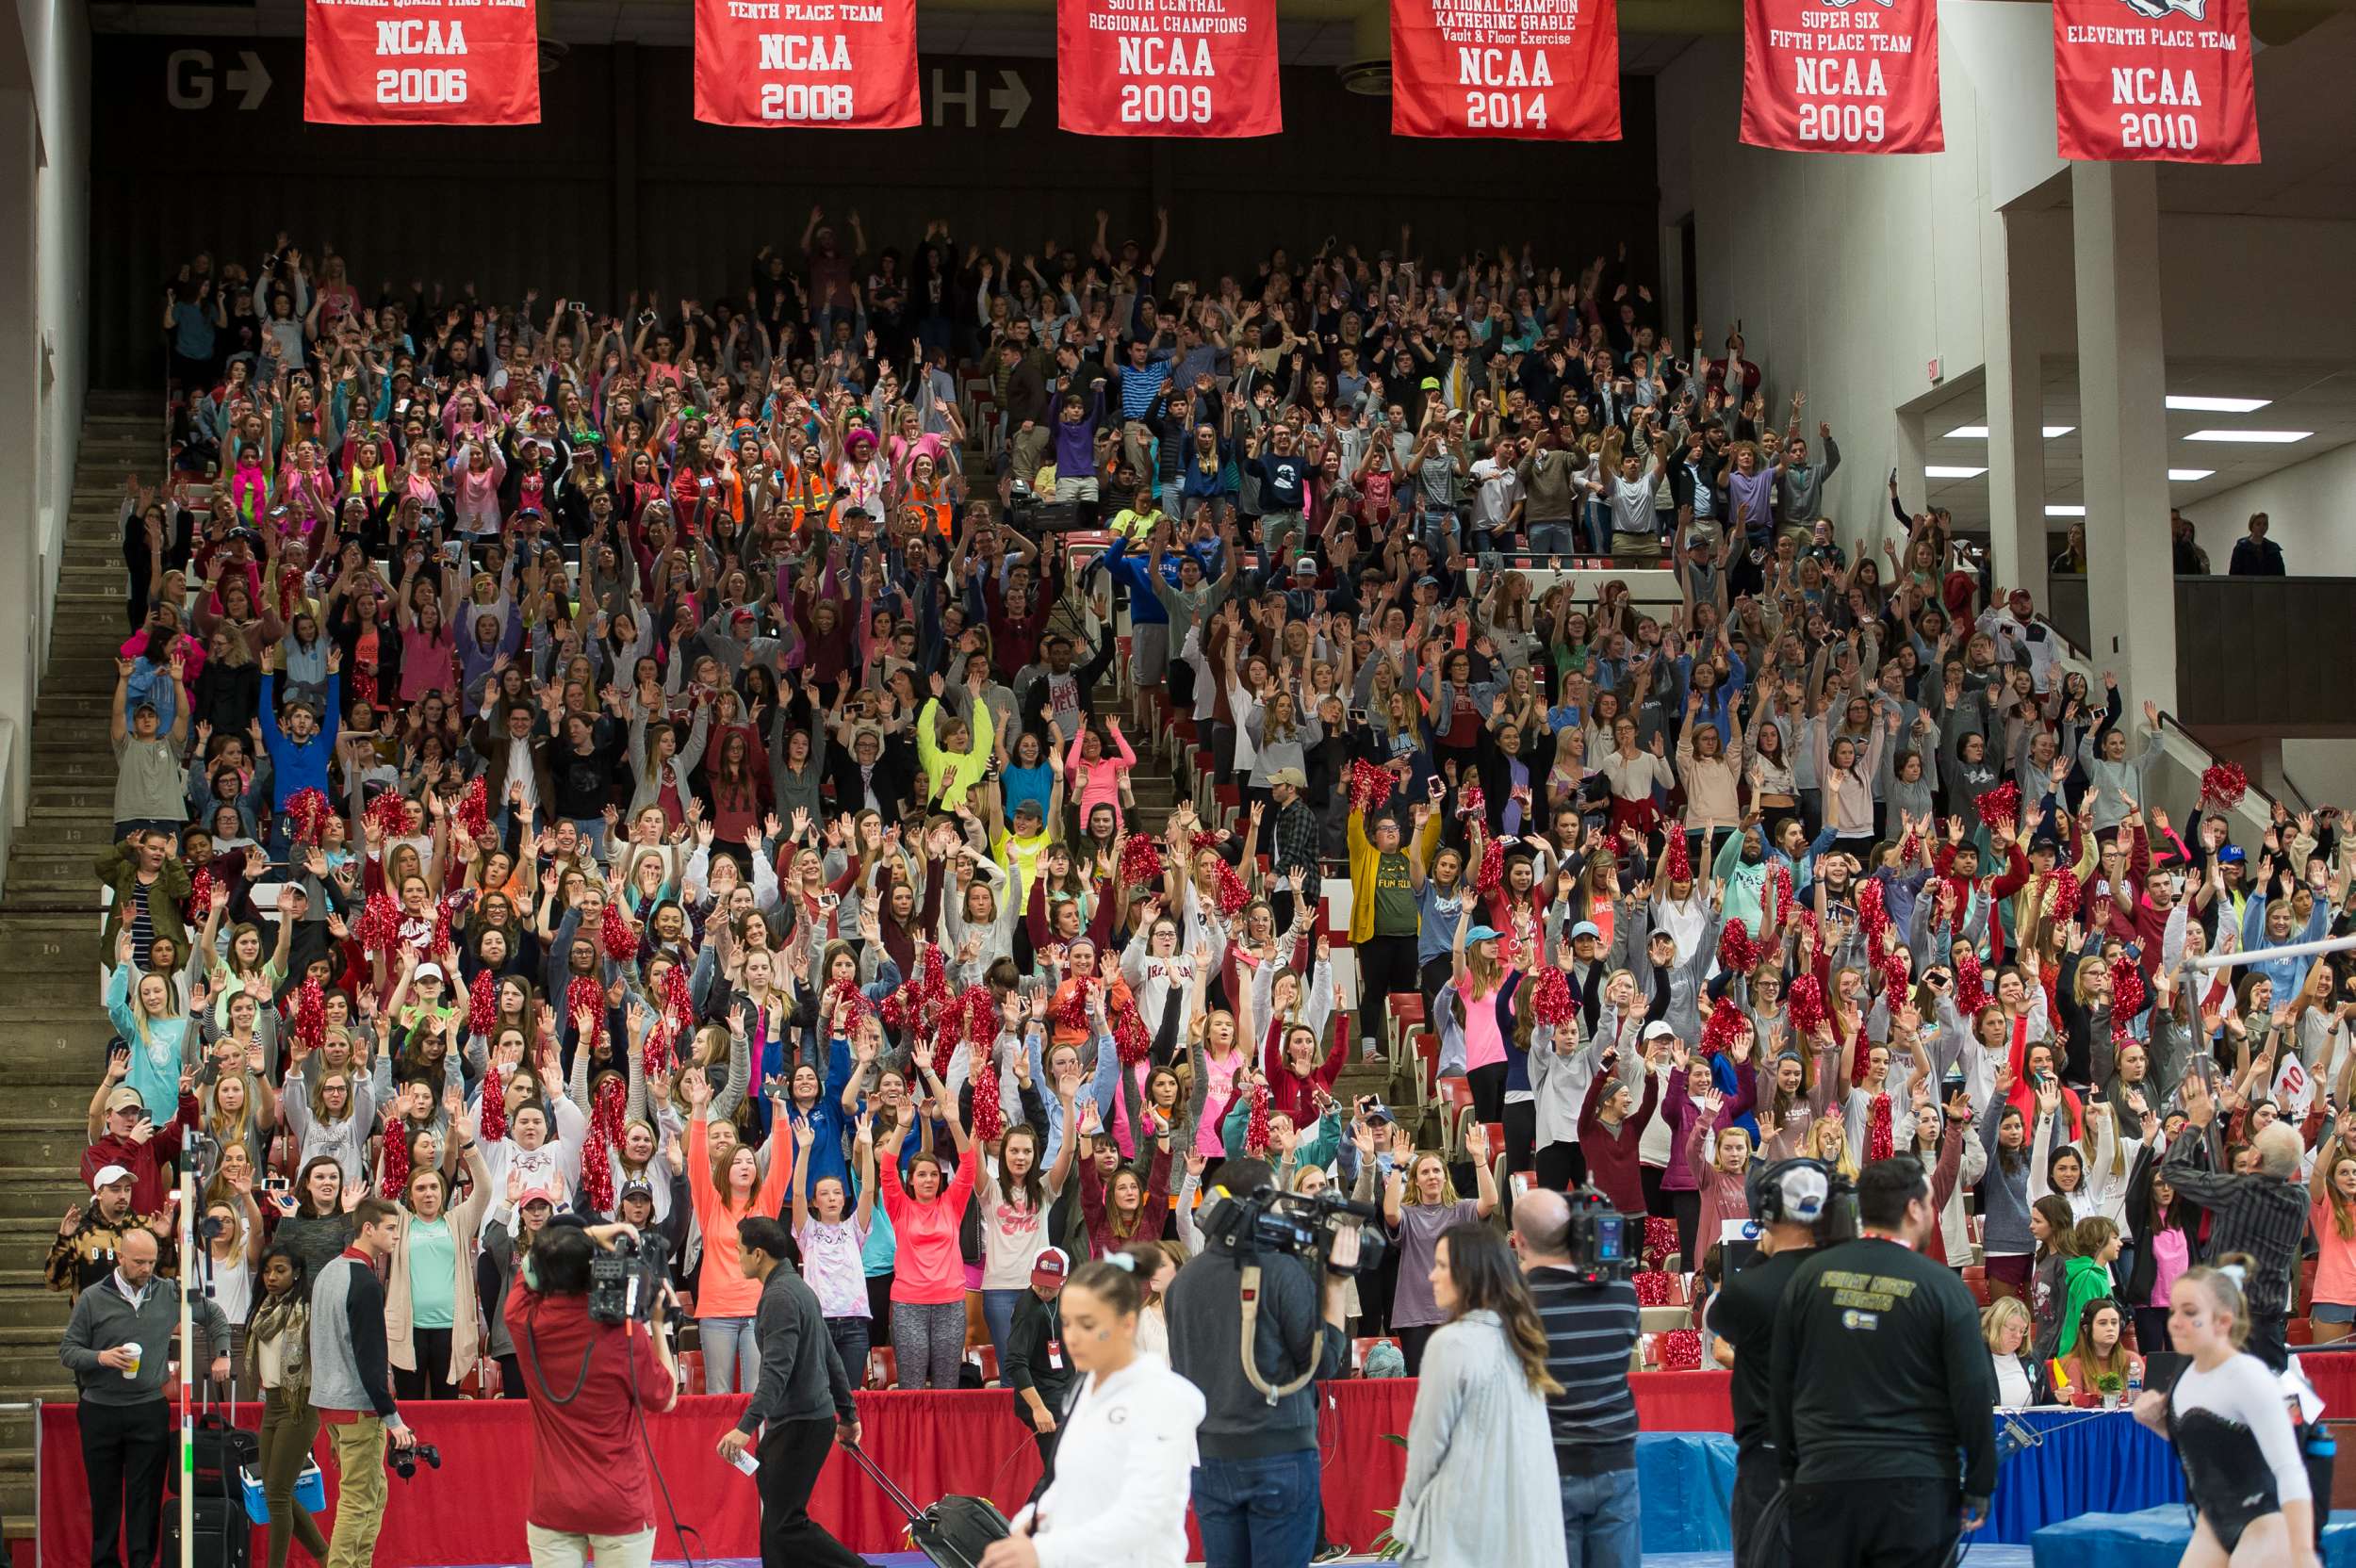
(2228, 1419)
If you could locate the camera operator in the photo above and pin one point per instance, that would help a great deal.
(1255, 1487)
(1878, 1377)
(589, 1383)
(1786, 1200)
(1591, 1323)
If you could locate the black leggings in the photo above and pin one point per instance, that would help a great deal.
(1560, 1166)
(1488, 1092)
(430, 1380)
(1689, 1216)
(1521, 1133)
(1386, 964)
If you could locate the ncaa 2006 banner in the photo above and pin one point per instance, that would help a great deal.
(420, 62)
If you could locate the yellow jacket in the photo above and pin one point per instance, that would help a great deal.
(1363, 856)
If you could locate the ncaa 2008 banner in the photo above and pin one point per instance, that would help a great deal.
(2154, 80)
(422, 62)
(1527, 70)
(846, 64)
(1841, 75)
(1192, 68)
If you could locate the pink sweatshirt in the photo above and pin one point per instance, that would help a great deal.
(1098, 783)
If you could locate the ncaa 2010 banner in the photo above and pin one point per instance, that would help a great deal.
(422, 62)
(1527, 70)
(1841, 75)
(844, 64)
(1192, 68)
(2154, 80)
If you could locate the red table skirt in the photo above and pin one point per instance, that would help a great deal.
(969, 1442)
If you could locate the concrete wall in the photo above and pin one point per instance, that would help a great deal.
(1852, 274)
(2310, 508)
(45, 268)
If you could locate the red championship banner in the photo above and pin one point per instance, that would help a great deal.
(422, 62)
(1841, 75)
(848, 64)
(1167, 68)
(1532, 70)
(2170, 80)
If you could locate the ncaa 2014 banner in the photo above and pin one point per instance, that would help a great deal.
(1193, 67)
(2169, 80)
(846, 64)
(423, 62)
(1529, 69)
(1841, 75)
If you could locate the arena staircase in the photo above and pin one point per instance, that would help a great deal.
(55, 1033)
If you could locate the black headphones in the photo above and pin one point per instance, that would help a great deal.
(1789, 1192)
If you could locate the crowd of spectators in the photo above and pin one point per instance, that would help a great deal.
(670, 763)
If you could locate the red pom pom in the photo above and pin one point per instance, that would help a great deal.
(474, 810)
(1070, 1014)
(845, 1000)
(1998, 806)
(2066, 894)
(1233, 894)
(1736, 953)
(1807, 1001)
(491, 1124)
(1719, 1030)
(618, 936)
(1551, 997)
(308, 810)
(1140, 862)
(1680, 864)
(380, 922)
(1131, 1042)
(584, 995)
(1894, 978)
(1256, 1133)
(1492, 872)
(1652, 1288)
(1681, 1351)
(605, 1133)
(1970, 988)
(1873, 913)
(2224, 783)
(1369, 786)
(990, 1117)
(201, 893)
(2127, 995)
(1781, 876)
(395, 1160)
(441, 943)
(387, 815)
(483, 1004)
(310, 1019)
(1661, 1241)
(1470, 801)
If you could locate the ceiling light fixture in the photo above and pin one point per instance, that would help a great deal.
(2184, 475)
(2218, 405)
(1945, 471)
(2252, 438)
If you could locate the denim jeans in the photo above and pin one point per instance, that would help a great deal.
(731, 1354)
(998, 1317)
(1259, 1512)
(1601, 1520)
(1551, 539)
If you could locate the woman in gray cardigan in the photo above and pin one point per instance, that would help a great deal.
(1479, 1447)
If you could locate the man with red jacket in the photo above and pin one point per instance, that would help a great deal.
(122, 1133)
